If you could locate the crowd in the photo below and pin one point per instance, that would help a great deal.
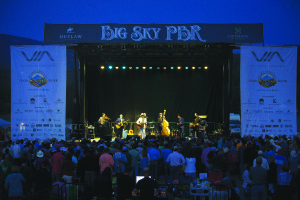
(267, 166)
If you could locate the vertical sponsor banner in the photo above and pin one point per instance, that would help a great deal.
(268, 90)
(38, 92)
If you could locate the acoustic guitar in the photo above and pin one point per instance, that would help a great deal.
(121, 124)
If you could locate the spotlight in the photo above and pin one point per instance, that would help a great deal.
(110, 67)
(144, 67)
(205, 67)
(136, 67)
(130, 67)
(199, 67)
(158, 67)
(172, 67)
(117, 67)
(123, 67)
(102, 67)
(165, 67)
(193, 67)
(186, 67)
(150, 67)
(178, 67)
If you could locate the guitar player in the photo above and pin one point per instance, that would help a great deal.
(120, 125)
(180, 125)
(196, 125)
(142, 124)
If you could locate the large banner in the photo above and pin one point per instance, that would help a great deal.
(268, 90)
(153, 33)
(38, 92)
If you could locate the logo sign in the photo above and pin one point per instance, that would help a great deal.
(37, 79)
(267, 79)
(37, 56)
(267, 56)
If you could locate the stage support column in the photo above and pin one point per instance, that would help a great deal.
(82, 90)
(226, 102)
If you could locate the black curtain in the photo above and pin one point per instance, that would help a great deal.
(134, 91)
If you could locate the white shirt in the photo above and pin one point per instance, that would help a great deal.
(190, 165)
(264, 164)
(142, 120)
(16, 151)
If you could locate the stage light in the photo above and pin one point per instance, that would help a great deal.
(130, 67)
(137, 68)
(165, 67)
(117, 67)
(150, 67)
(123, 67)
(186, 67)
(193, 67)
(178, 67)
(172, 67)
(199, 67)
(102, 67)
(205, 67)
(158, 67)
(144, 67)
(110, 67)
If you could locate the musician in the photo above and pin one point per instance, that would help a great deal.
(142, 121)
(160, 121)
(180, 125)
(103, 125)
(196, 122)
(120, 122)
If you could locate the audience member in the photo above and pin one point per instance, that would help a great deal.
(145, 187)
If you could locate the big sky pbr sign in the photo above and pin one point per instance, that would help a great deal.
(166, 33)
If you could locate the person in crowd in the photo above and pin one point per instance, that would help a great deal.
(68, 168)
(43, 182)
(120, 161)
(154, 157)
(89, 166)
(144, 161)
(190, 169)
(56, 161)
(13, 183)
(140, 147)
(103, 184)
(176, 161)
(127, 154)
(26, 171)
(283, 190)
(280, 160)
(5, 168)
(265, 163)
(40, 157)
(217, 163)
(16, 151)
(293, 162)
(241, 150)
(206, 150)
(234, 191)
(164, 154)
(145, 187)
(247, 183)
(135, 156)
(125, 184)
(106, 160)
(272, 174)
(8, 146)
(228, 161)
(258, 176)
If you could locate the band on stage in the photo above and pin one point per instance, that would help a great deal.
(197, 126)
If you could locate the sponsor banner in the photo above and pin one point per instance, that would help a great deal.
(38, 92)
(149, 33)
(268, 90)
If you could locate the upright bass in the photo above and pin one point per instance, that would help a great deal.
(165, 126)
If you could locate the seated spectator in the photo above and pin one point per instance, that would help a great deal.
(103, 185)
(145, 187)
(125, 184)
(13, 183)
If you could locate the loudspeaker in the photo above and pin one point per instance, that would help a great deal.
(107, 138)
(91, 136)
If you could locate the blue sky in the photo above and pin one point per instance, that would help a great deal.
(281, 18)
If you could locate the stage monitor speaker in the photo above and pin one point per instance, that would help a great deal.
(107, 138)
(133, 136)
(91, 136)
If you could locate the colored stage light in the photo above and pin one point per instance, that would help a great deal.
(199, 67)
(186, 67)
(150, 67)
(158, 67)
(172, 67)
(137, 68)
(205, 67)
(102, 67)
(117, 67)
(130, 67)
(193, 68)
(110, 67)
(178, 67)
(165, 67)
(123, 67)
(144, 67)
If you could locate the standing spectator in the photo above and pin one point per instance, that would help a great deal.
(89, 166)
(176, 161)
(165, 153)
(5, 168)
(272, 174)
(56, 161)
(144, 161)
(103, 184)
(68, 168)
(190, 169)
(280, 160)
(26, 171)
(154, 156)
(120, 161)
(265, 163)
(228, 163)
(127, 154)
(247, 183)
(16, 151)
(283, 190)
(106, 160)
(140, 147)
(145, 187)
(125, 184)
(13, 183)
(40, 158)
(8, 146)
(293, 162)
(258, 176)
(240, 152)
(135, 156)
(206, 150)
(43, 182)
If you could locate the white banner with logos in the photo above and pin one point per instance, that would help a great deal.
(38, 92)
(268, 90)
